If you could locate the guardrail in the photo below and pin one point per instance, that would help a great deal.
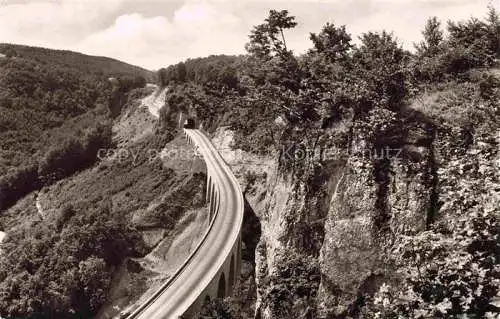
(214, 159)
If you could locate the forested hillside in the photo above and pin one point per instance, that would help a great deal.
(53, 121)
(102, 66)
(387, 166)
(74, 213)
(56, 112)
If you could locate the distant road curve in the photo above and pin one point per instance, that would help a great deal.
(212, 268)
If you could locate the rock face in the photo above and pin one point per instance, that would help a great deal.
(331, 211)
(334, 207)
(370, 206)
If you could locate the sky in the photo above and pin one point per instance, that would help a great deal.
(156, 33)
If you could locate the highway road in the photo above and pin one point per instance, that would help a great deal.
(204, 264)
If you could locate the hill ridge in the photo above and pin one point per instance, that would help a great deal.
(103, 65)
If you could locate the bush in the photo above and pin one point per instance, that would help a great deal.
(447, 275)
(64, 215)
(218, 308)
(488, 86)
(17, 184)
(74, 154)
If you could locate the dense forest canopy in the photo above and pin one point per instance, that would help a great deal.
(102, 66)
(54, 117)
(56, 112)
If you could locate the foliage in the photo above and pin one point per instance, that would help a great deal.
(433, 38)
(61, 273)
(123, 87)
(448, 274)
(218, 71)
(470, 44)
(73, 154)
(382, 60)
(100, 66)
(174, 73)
(128, 83)
(334, 43)
(292, 286)
(53, 120)
(265, 38)
(18, 183)
(218, 308)
(471, 34)
(87, 234)
(452, 269)
(493, 25)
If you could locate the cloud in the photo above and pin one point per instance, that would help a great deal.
(157, 33)
(132, 38)
(56, 24)
(197, 29)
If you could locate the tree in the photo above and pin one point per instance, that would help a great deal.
(10, 52)
(493, 25)
(467, 33)
(380, 67)
(228, 77)
(433, 38)
(272, 62)
(333, 42)
(218, 308)
(94, 281)
(162, 76)
(62, 160)
(259, 45)
(472, 35)
(181, 72)
(264, 38)
(277, 22)
(469, 45)
(64, 214)
(173, 73)
(430, 65)
(128, 83)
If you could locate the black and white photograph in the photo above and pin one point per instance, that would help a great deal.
(249, 159)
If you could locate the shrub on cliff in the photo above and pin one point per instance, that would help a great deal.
(469, 44)
(292, 287)
(452, 269)
(447, 274)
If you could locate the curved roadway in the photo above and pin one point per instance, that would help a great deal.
(191, 280)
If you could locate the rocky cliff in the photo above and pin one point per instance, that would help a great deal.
(337, 206)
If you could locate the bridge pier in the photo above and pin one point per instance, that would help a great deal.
(223, 283)
(212, 202)
(209, 186)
